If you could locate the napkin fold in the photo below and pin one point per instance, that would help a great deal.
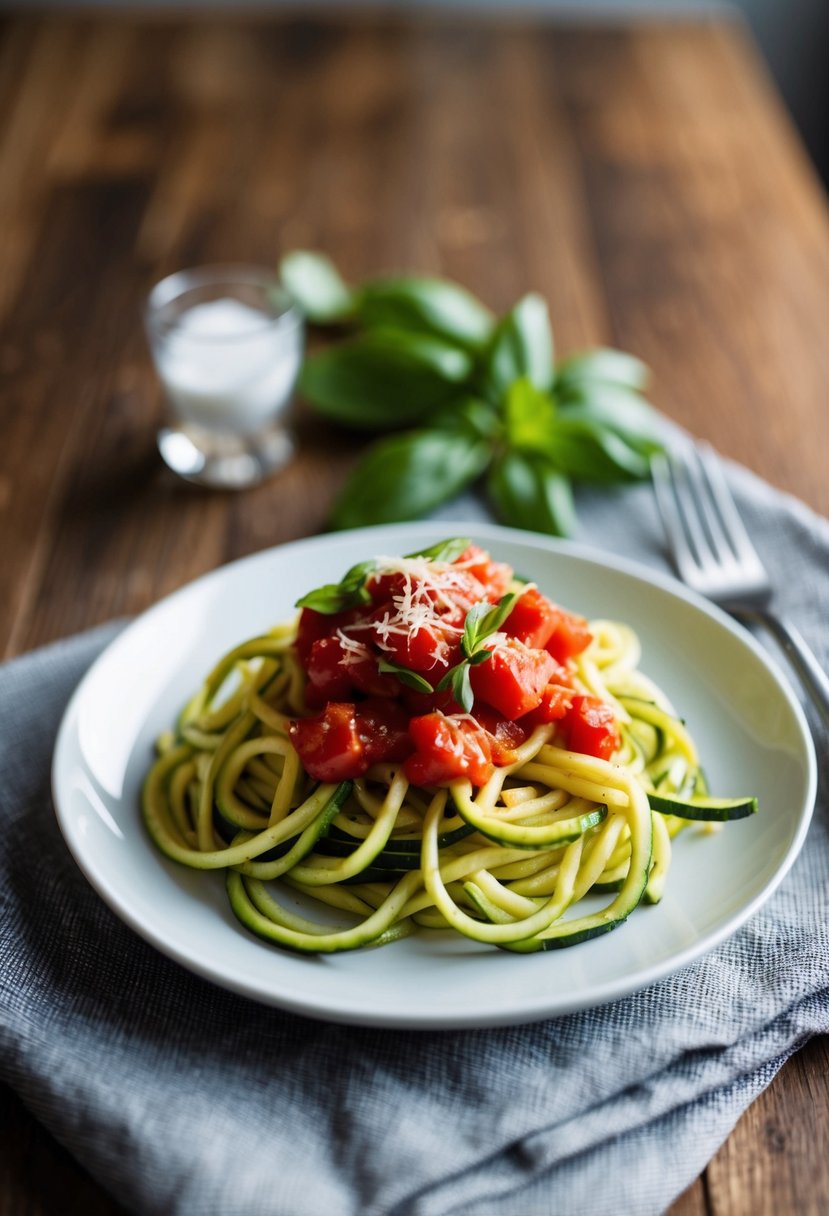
(182, 1098)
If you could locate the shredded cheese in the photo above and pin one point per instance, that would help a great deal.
(354, 651)
(429, 592)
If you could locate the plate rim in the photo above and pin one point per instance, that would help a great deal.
(610, 990)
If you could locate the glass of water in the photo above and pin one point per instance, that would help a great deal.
(227, 343)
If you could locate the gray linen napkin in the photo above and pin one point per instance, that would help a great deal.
(182, 1098)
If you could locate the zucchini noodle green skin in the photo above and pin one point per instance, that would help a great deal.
(507, 865)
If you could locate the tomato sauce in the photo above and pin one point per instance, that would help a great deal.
(384, 674)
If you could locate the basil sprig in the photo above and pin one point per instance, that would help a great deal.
(482, 620)
(350, 592)
(405, 675)
(445, 550)
(487, 400)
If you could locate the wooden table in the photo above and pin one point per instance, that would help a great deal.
(644, 178)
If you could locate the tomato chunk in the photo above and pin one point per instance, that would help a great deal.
(590, 727)
(505, 736)
(413, 622)
(384, 730)
(533, 620)
(454, 591)
(329, 745)
(346, 738)
(311, 626)
(328, 680)
(428, 650)
(448, 748)
(556, 700)
(494, 577)
(513, 680)
(571, 635)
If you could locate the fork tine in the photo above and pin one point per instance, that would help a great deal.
(733, 525)
(695, 504)
(708, 540)
(704, 540)
(702, 507)
(664, 485)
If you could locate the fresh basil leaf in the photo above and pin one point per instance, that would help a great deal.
(458, 681)
(405, 675)
(444, 550)
(618, 409)
(327, 599)
(526, 492)
(589, 451)
(558, 508)
(462, 689)
(497, 615)
(349, 592)
(484, 619)
(405, 476)
(480, 417)
(315, 285)
(355, 579)
(602, 366)
(480, 656)
(522, 345)
(529, 414)
(384, 379)
(469, 641)
(427, 306)
(331, 599)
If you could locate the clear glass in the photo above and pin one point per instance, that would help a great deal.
(227, 343)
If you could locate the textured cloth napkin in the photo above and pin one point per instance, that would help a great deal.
(182, 1098)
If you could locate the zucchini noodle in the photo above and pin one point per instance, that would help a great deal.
(555, 848)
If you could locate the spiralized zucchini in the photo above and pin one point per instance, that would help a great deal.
(554, 849)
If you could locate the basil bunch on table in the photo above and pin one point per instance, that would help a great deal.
(466, 396)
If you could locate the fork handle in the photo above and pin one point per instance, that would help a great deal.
(800, 655)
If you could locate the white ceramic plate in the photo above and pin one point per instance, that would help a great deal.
(751, 732)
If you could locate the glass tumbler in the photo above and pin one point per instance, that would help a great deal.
(227, 343)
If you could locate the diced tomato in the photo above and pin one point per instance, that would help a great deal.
(505, 736)
(533, 620)
(383, 727)
(513, 680)
(382, 587)
(347, 738)
(590, 727)
(329, 745)
(455, 596)
(571, 635)
(415, 621)
(494, 577)
(328, 680)
(334, 673)
(367, 678)
(311, 626)
(417, 651)
(556, 700)
(424, 650)
(448, 748)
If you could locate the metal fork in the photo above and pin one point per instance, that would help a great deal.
(714, 555)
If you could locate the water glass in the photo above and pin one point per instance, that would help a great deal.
(227, 343)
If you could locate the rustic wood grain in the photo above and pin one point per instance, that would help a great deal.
(693, 1201)
(643, 177)
(776, 1159)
